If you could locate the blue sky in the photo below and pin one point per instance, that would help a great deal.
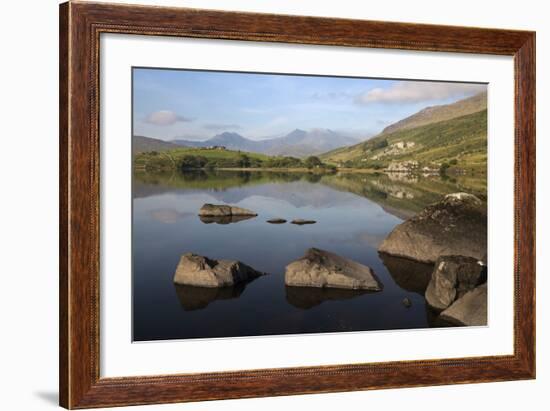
(196, 105)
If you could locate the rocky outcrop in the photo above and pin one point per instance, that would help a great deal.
(202, 271)
(222, 210)
(469, 310)
(226, 219)
(319, 268)
(452, 277)
(276, 221)
(457, 225)
(301, 221)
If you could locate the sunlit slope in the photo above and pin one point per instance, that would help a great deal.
(461, 141)
(435, 114)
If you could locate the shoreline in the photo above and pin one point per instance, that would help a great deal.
(281, 169)
(337, 170)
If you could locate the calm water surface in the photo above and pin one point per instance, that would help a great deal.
(354, 213)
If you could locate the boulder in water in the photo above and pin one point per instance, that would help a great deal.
(470, 309)
(453, 276)
(222, 210)
(202, 271)
(319, 268)
(457, 225)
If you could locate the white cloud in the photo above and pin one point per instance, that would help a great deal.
(418, 91)
(165, 118)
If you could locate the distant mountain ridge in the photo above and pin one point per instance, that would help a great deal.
(142, 144)
(229, 140)
(298, 143)
(434, 114)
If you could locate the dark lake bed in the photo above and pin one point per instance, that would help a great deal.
(353, 213)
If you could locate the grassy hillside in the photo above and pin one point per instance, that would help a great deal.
(461, 143)
(444, 112)
(142, 144)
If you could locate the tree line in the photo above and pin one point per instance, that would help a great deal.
(246, 161)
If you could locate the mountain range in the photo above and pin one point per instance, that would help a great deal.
(298, 143)
(435, 134)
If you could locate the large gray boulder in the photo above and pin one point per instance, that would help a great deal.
(452, 277)
(457, 225)
(202, 271)
(222, 210)
(470, 309)
(319, 268)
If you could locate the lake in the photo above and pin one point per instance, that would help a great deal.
(354, 213)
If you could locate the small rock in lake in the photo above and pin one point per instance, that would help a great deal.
(276, 221)
(406, 302)
(202, 271)
(453, 276)
(319, 268)
(470, 309)
(301, 221)
(222, 210)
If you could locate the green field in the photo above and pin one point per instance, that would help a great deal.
(220, 158)
(173, 159)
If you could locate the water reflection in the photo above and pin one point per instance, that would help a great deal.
(354, 211)
(400, 195)
(308, 297)
(408, 274)
(168, 215)
(226, 219)
(195, 298)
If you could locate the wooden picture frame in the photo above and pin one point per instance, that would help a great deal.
(80, 27)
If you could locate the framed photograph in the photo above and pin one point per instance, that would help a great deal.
(259, 205)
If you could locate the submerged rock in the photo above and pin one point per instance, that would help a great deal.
(406, 302)
(300, 221)
(226, 219)
(276, 221)
(452, 277)
(457, 225)
(202, 271)
(222, 210)
(319, 268)
(470, 309)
